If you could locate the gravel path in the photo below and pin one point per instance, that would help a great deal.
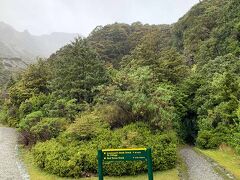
(10, 167)
(198, 167)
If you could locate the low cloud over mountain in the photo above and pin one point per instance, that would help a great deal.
(26, 46)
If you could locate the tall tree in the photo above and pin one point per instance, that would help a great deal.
(77, 71)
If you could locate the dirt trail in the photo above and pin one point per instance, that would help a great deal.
(10, 166)
(198, 167)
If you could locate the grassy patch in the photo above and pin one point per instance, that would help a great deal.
(168, 175)
(37, 174)
(181, 164)
(2, 125)
(225, 157)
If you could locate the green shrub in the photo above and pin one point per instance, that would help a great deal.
(211, 139)
(35, 103)
(203, 139)
(234, 141)
(73, 158)
(115, 115)
(48, 128)
(57, 159)
(3, 116)
(12, 116)
(26, 136)
(63, 108)
(30, 120)
(87, 126)
(215, 141)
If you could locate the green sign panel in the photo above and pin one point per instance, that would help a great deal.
(124, 154)
(113, 155)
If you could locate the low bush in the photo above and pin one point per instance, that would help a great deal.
(234, 140)
(26, 136)
(116, 116)
(35, 103)
(87, 126)
(48, 128)
(203, 139)
(30, 120)
(3, 116)
(63, 108)
(34, 127)
(73, 158)
(211, 139)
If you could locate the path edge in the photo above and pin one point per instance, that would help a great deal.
(217, 167)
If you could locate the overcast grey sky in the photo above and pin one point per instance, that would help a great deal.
(81, 16)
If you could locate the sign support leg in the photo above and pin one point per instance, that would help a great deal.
(149, 162)
(100, 163)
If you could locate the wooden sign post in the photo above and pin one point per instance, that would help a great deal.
(137, 154)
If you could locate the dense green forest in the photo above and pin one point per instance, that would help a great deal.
(132, 85)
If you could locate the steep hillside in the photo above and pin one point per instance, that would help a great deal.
(9, 67)
(26, 46)
(13, 64)
(210, 29)
(113, 41)
(209, 37)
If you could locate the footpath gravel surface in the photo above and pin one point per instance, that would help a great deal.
(198, 167)
(10, 166)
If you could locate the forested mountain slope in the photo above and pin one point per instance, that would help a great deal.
(17, 49)
(10, 67)
(131, 86)
(26, 46)
(114, 41)
(208, 30)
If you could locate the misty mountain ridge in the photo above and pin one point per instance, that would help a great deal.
(15, 44)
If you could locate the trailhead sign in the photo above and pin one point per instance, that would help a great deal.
(135, 154)
(124, 154)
